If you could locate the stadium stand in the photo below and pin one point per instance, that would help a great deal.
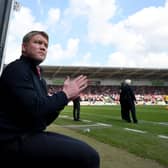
(150, 85)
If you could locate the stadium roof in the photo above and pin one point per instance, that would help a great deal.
(105, 72)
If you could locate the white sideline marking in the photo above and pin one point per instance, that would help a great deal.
(163, 123)
(135, 130)
(106, 125)
(86, 120)
(83, 126)
(91, 125)
(109, 125)
(160, 123)
(64, 116)
(163, 136)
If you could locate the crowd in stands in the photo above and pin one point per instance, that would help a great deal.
(110, 94)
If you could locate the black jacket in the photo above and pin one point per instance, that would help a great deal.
(24, 104)
(126, 94)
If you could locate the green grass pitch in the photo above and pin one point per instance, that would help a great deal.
(147, 139)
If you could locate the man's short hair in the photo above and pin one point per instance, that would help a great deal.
(29, 35)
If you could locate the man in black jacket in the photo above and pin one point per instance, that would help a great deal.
(26, 110)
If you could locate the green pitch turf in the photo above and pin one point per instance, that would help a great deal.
(147, 139)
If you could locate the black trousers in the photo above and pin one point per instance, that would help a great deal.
(126, 110)
(133, 113)
(76, 111)
(51, 148)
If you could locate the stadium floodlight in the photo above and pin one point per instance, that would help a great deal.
(16, 6)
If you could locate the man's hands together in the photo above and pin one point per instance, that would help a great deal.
(73, 87)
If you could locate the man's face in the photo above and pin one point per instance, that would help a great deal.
(36, 48)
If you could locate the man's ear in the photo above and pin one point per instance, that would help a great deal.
(23, 47)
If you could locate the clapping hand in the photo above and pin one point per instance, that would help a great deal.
(73, 87)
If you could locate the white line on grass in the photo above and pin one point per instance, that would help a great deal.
(97, 124)
(109, 125)
(163, 123)
(163, 136)
(64, 116)
(106, 125)
(86, 121)
(152, 122)
(88, 125)
(135, 130)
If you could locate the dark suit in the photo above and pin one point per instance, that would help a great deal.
(127, 102)
(76, 109)
(122, 100)
(25, 112)
(132, 105)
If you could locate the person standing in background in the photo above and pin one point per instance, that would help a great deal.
(76, 109)
(122, 99)
(127, 101)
